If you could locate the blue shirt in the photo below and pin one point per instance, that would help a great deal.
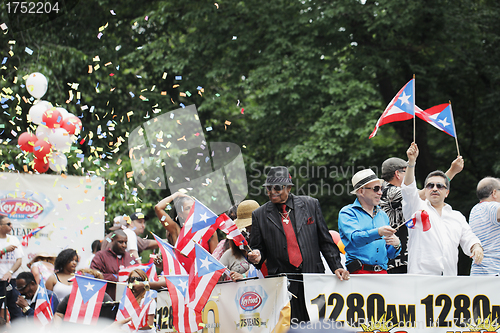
(359, 233)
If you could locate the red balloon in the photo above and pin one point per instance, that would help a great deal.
(52, 118)
(72, 124)
(27, 141)
(40, 165)
(41, 149)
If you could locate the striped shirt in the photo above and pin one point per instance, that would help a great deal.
(484, 223)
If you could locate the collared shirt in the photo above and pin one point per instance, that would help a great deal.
(290, 209)
(484, 223)
(435, 251)
(359, 233)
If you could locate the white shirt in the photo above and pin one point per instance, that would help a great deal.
(435, 252)
(484, 223)
(131, 239)
(9, 259)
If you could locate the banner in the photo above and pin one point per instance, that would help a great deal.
(245, 306)
(403, 303)
(72, 208)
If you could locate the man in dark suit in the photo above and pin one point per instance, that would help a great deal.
(30, 290)
(290, 232)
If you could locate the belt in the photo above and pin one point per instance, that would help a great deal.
(373, 268)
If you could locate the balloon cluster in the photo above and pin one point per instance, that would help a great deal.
(55, 132)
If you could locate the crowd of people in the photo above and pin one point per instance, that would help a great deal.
(383, 231)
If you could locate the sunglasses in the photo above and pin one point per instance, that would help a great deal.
(374, 188)
(277, 188)
(135, 278)
(439, 186)
(8, 223)
(22, 288)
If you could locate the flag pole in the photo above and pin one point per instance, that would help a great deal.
(454, 129)
(414, 102)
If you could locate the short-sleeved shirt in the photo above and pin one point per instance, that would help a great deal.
(9, 259)
(484, 223)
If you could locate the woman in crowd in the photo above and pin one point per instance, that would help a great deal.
(136, 276)
(235, 258)
(64, 267)
(42, 265)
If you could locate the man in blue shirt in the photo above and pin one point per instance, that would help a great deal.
(364, 228)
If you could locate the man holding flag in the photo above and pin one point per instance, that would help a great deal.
(35, 300)
(435, 251)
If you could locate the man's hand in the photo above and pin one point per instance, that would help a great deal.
(456, 166)
(386, 231)
(10, 248)
(477, 253)
(6, 277)
(412, 153)
(392, 240)
(254, 257)
(21, 302)
(342, 274)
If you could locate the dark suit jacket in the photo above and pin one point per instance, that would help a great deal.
(267, 235)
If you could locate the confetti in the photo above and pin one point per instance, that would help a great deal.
(3, 26)
(178, 77)
(28, 50)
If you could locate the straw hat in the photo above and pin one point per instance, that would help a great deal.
(244, 213)
(363, 177)
(40, 256)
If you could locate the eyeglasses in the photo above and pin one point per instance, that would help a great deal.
(402, 170)
(277, 188)
(135, 278)
(439, 186)
(22, 288)
(8, 223)
(374, 188)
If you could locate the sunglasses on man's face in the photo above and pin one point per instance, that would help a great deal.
(277, 188)
(374, 188)
(439, 186)
(135, 278)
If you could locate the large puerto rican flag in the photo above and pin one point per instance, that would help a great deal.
(203, 277)
(85, 300)
(400, 108)
(199, 227)
(185, 319)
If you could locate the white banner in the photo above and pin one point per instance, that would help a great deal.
(72, 208)
(404, 303)
(245, 306)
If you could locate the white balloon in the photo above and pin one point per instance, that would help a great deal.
(43, 132)
(36, 84)
(58, 161)
(37, 110)
(60, 139)
(64, 113)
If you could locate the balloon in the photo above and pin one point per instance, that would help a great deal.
(336, 239)
(72, 124)
(42, 132)
(58, 161)
(41, 149)
(27, 141)
(36, 84)
(40, 165)
(36, 111)
(60, 139)
(64, 113)
(52, 118)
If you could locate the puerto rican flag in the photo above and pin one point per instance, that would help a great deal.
(229, 227)
(419, 218)
(203, 277)
(171, 265)
(199, 227)
(185, 319)
(400, 108)
(441, 117)
(149, 269)
(130, 308)
(85, 300)
(43, 312)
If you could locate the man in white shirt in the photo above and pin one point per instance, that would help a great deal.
(435, 252)
(485, 223)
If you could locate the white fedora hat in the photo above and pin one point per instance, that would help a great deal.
(363, 177)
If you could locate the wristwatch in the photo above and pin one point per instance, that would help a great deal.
(147, 287)
(26, 309)
(10, 271)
